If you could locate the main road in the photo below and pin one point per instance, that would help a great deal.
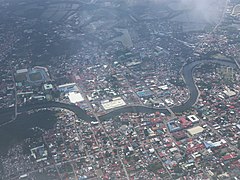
(187, 72)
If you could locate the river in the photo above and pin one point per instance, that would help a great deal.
(21, 124)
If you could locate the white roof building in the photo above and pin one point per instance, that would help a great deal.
(193, 118)
(21, 71)
(48, 86)
(116, 102)
(195, 130)
(75, 97)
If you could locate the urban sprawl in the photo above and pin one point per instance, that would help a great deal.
(130, 72)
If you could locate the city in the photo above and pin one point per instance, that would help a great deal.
(119, 89)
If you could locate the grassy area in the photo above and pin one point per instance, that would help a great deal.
(220, 56)
(20, 77)
(155, 167)
(36, 76)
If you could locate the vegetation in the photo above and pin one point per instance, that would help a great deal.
(155, 167)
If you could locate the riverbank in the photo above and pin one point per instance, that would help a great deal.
(25, 127)
(187, 72)
(16, 131)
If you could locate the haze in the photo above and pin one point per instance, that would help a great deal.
(207, 10)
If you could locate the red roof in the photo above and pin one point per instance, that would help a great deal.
(183, 120)
(227, 157)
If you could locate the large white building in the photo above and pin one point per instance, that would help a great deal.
(195, 130)
(116, 102)
(75, 97)
(193, 118)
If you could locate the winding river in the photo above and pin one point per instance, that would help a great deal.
(19, 129)
(187, 72)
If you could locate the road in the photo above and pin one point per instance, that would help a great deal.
(222, 17)
(82, 115)
(187, 72)
(102, 127)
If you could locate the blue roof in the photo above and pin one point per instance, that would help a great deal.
(173, 128)
(144, 93)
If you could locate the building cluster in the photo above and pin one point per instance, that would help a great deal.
(135, 82)
(132, 145)
(111, 67)
(218, 104)
(7, 39)
(16, 163)
(32, 85)
(146, 72)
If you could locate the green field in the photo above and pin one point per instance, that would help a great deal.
(21, 77)
(36, 76)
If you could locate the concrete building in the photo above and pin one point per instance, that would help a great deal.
(195, 130)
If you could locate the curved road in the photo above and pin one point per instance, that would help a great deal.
(187, 72)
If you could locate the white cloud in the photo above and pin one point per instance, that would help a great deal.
(204, 9)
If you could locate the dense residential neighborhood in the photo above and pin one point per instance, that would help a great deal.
(116, 89)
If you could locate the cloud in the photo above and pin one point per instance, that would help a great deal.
(207, 10)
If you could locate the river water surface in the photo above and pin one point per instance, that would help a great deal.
(21, 127)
